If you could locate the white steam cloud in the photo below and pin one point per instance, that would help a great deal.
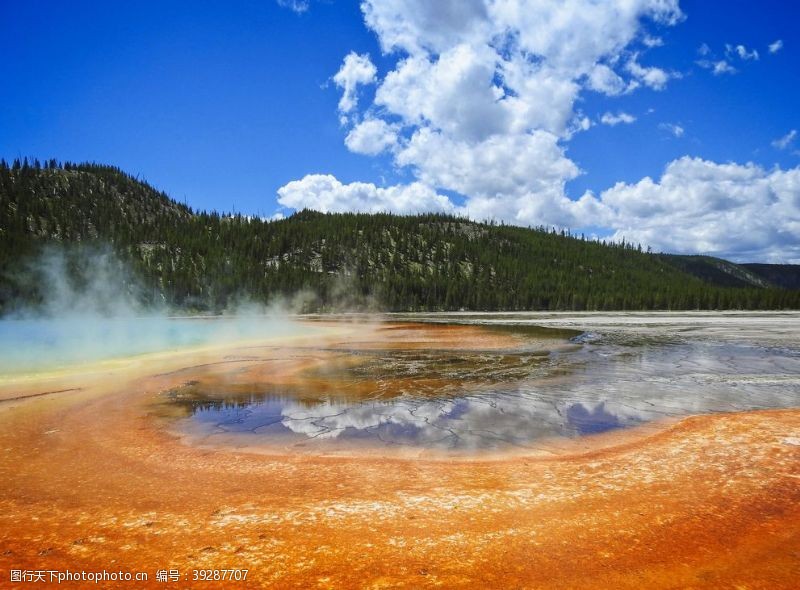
(92, 308)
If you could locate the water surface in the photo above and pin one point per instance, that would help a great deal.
(39, 344)
(604, 378)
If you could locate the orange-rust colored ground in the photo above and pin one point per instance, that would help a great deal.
(89, 479)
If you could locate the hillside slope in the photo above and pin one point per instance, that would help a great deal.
(718, 271)
(205, 261)
(786, 276)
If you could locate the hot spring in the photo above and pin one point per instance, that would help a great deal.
(520, 382)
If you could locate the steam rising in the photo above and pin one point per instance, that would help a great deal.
(92, 308)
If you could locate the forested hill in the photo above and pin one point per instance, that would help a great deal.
(781, 275)
(204, 261)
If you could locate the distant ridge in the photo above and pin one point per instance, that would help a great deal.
(202, 261)
(786, 276)
(720, 272)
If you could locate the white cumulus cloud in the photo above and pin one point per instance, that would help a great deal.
(722, 67)
(717, 67)
(474, 68)
(481, 101)
(742, 52)
(500, 165)
(603, 79)
(621, 117)
(371, 137)
(776, 46)
(654, 77)
(650, 41)
(739, 211)
(356, 69)
(323, 192)
(482, 97)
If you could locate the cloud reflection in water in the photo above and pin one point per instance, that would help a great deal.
(602, 386)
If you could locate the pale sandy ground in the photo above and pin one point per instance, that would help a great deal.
(90, 479)
(773, 327)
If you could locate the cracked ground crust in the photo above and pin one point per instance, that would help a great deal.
(90, 480)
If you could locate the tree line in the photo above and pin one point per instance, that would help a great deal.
(204, 261)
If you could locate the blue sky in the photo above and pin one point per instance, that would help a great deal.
(732, 117)
(222, 104)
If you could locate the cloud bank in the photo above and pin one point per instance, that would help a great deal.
(741, 211)
(483, 100)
